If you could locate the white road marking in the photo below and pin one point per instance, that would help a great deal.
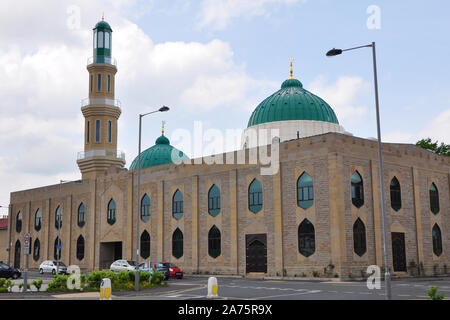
(285, 295)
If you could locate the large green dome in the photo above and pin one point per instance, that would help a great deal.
(292, 102)
(161, 153)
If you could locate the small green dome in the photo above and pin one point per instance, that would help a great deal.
(161, 153)
(103, 25)
(292, 102)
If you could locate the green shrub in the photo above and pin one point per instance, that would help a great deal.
(157, 277)
(37, 284)
(58, 284)
(95, 278)
(432, 293)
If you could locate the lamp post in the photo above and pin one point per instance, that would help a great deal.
(387, 276)
(59, 221)
(136, 277)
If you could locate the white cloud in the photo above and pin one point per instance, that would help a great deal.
(218, 13)
(342, 96)
(436, 129)
(44, 77)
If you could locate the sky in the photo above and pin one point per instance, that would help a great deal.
(212, 62)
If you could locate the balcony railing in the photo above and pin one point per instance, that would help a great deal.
(107, 60)
(109, 102)
(101, 153)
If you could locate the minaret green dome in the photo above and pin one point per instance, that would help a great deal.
(292, 102)
(161, 153)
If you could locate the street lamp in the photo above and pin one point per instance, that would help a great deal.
(335, 52)
(59, 221)
(136, 277)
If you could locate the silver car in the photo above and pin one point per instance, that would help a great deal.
(120, 265)
(50, 266)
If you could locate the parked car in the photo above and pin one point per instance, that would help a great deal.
(159, 266)
(9, 272)
(50, 266)
(175, 272)
(120, 265)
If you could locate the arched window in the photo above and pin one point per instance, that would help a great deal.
(357, 190)
(214, 242)
(95, 40)
(81, 215)
(57, 249)
(80, 248)
(36, 249)
(19, 222)
(305, 191)
(434, 199)
(306, 238)
(145, 208)
(177, 244)
(145, 245)
(17, 254)
(100, 39)
(437, 240)
(359, 237)
(111, 212)
(107, 44)
(108, 88)
(58, 218)
(38, 220)
(255, 196)
(214, 201)
(396, 195)
(177, 205)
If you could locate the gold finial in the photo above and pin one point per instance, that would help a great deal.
(103, 16)
(163, 123)
(292, 69)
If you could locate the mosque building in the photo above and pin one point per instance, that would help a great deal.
(318, 214)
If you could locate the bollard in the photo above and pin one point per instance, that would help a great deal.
(212, 288)
(105, 289)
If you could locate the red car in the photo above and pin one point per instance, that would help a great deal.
(175, 272)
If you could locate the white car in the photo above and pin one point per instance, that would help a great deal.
(120, 265)
(50, 266)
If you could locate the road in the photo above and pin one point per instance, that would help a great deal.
(194, 288)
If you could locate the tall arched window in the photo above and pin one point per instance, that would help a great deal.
(145, 208)
(145, 244)
(57, 249)
(81, 215)
(58, 218)
(305, 191)
(36, 249)
(38, 220)
(306, 238)
(396, 194)
(214, 242)
(111, 212)
(437, 240)
(80, 248)
(177, 205)
(434, 199)
(255, 196)
(359, 237)
(177, 243)
(214, 201)
(357, 190)
(19, 222)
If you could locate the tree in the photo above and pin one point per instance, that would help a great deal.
(442, 149)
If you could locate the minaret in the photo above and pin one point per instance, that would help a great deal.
(101, 111)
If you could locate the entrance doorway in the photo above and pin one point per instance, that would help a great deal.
(17, 255)
(109, 252)
(398, 251)
(256, 252)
